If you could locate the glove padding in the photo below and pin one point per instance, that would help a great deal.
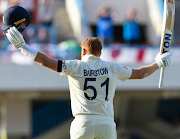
(15, 37)
(164, 60)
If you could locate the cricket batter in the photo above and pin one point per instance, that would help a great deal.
(92, 83)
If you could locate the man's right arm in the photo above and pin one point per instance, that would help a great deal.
(46, 61)
(17, 40)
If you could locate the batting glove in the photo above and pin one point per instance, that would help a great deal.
(15, 37)
(164, 60)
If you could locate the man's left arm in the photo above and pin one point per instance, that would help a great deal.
(164, 60)
(144, 71)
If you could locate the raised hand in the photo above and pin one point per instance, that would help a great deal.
(164, 60)
(15, 37)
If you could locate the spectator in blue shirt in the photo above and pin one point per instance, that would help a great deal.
(132, 28)
(105, 25)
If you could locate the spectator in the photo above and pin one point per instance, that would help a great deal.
(43, 35)
(45, 11)
(105, 25)
(31, 34)
(131, 27)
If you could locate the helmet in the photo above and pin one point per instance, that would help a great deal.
(16, 16)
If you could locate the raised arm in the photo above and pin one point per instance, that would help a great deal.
(144, 71)
(17, 40)
(164, 60)
(46, 61)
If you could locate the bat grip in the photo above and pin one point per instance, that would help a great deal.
(161, 77)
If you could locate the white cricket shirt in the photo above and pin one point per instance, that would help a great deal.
(92, 84)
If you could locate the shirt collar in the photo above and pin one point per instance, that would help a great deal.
(88, 57)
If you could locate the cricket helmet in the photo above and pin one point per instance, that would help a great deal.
(16, 16)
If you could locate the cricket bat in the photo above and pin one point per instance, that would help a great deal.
(167, 31)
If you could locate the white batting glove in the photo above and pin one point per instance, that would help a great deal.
(164, 60)
(15, 37)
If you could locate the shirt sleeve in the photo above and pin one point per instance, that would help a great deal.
(68, 67)
(123, 72)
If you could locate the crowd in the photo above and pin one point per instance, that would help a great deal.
(41, 14)
(42, 32)
(41, 10)
(131, 26)
(41, 29)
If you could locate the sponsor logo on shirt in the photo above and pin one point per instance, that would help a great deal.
(64, 66)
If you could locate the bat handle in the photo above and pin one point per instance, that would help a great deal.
(161, 77)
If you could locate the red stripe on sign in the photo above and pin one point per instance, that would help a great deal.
(115, 53)
(140, 55)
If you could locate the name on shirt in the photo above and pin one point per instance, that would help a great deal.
(98, 72)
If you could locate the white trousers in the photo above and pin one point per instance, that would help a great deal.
(93, 127)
